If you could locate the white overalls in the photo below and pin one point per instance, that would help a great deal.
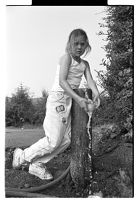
(57, 122)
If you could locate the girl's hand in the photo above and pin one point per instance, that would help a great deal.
(91, 106)
(83, 103)
(96, 101)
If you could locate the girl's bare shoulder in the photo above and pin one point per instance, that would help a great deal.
(65, 59)
(85, 62)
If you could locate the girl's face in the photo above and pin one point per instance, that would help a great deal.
(78, 46)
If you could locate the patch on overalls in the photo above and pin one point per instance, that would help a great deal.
(64, 120)
(60, 108)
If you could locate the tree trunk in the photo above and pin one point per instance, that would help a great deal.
(80, 165)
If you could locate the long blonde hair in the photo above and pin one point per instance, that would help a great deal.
(75, 33)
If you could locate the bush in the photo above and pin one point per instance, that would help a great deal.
(118, 78)
(22, 109)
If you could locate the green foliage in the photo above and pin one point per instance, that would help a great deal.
(118, 78)
(19, 108)
(22, 109)
(105, 112)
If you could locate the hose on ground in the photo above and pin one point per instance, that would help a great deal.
(14, 192)
(11, 193)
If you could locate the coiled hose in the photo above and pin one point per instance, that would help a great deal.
(30, 192)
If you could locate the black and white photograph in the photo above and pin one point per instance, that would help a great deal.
(69, 102)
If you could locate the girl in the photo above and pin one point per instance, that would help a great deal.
(57, 123)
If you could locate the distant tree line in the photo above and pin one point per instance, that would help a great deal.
(22, 109)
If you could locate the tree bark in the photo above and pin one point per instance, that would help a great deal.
(80, 165)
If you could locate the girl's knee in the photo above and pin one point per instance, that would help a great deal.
(55, 143)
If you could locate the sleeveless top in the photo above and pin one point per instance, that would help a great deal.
(76, 71)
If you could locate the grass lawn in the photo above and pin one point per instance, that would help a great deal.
(22, 137)
(112, 163)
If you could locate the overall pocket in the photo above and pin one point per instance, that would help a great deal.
(56, 97)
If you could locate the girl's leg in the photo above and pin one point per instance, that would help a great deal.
(38, 168)
(58, 109)
(64, 144)
(59, 142)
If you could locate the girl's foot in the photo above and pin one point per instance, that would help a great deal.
(18, 158)
(40, 170)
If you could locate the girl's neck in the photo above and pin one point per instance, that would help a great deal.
(78, 59)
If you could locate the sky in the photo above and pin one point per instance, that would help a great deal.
(36, 38)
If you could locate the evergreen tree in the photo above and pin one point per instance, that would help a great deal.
(20, 108)
(118, 79)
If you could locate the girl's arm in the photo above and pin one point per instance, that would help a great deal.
(91, 83)
(65, 63)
